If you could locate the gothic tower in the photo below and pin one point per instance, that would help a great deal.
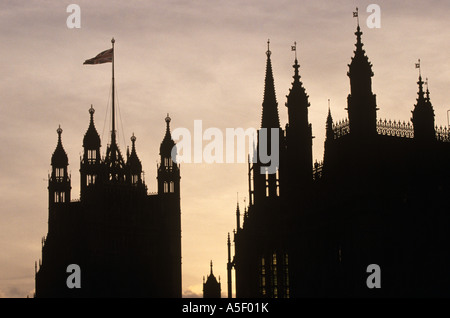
(90, 165)
(265, 172)
(423, 115)
(59, 183)
(298, 137)
(362, 108)
(329, 138)
(211, 288)
(134, 166)
(260, 243)
(169, 191)
(168, 170)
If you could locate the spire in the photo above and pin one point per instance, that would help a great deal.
(238, 217)
(362, 108)
(133, 161)
(423, 113)
(270, 118)
(360, 65)
(420, 93)
(167, 144)
(329, 125)
(91, 139)
(229, 245)
(59, 157)
(297, 97)
(211, 288)
(296, 66)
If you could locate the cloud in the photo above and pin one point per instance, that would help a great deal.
(187, 293)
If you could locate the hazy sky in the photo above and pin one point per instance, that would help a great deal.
(195, 60)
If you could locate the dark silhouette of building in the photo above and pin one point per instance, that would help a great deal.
(126, 242)
(380, 196)
(211, 288)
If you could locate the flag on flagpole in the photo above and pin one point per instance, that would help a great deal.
(103, 57)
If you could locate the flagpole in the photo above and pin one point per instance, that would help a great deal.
(113, 134)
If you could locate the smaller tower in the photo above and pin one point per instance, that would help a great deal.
(298, 137)
(329, 138)
(238, 218)
(266, 176)
(59, 183)
(229, 268)
(423, 114)
(134, 165)
(90, 165)
(168, 169)
(362, 108)
(329, 125)
(211, 288)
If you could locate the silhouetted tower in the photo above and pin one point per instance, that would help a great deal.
(266, 183)
(329, 126)
(423, 115)
(238, 218)
(134, 165)
(59, 181)
(329, 136)
(362, 107)
(211, 288)
(298, 136)
(169, 191)
(90, 164)
(229, 268)
(168, 170)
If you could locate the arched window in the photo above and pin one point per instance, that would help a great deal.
(92, 156)
(90, 179)
(59, 173)
(60, 197)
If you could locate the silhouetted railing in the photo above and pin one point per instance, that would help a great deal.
(317, 170)
(442, 134)
(341, 128)
(396, 129)
(391, 128)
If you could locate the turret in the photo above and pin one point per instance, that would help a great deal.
(134, 165)
(362, 108)
(168, 169)
(90, 165)
(423, 114)
(59, 182)
(298, 136)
